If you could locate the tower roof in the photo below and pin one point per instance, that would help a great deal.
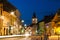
(34, 15)
(48, 18)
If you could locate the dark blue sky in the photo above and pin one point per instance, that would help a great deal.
(41, 7)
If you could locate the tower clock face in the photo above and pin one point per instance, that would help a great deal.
(34, 20)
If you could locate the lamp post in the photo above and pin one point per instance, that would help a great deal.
(21, 27)
(25, 25)
(22, 22)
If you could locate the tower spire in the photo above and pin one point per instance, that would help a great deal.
(34, 15)
(34, 18)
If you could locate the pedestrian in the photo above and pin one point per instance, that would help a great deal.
(41, 38)
(46, 37)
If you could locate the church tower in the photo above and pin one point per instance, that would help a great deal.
(34, 24)
(34, 19)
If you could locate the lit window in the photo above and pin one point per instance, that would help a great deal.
(2, 17)
(12, 13)
(33, 19)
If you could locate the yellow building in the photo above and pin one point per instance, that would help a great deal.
(9, 18)
(55, 23)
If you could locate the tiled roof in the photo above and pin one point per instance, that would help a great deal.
(34, 15)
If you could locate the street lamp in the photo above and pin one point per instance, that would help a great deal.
(22, 21)
(25, 25)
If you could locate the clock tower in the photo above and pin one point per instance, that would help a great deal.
(34, 19)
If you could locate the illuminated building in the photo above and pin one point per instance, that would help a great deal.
(52, 22)
(48, 26)
(56, 21)
(29, 30)
(41, 25)
(9, 18)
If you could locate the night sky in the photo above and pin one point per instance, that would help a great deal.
(40, 7)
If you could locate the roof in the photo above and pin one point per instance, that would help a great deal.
(48, 18)
(34, 15)
(7, 6)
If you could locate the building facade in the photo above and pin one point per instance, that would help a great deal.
(56, 22)
(41, 25)
(9, 18)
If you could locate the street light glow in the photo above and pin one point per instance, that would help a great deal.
(22, 21)
(25, 25)
(22, 31)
